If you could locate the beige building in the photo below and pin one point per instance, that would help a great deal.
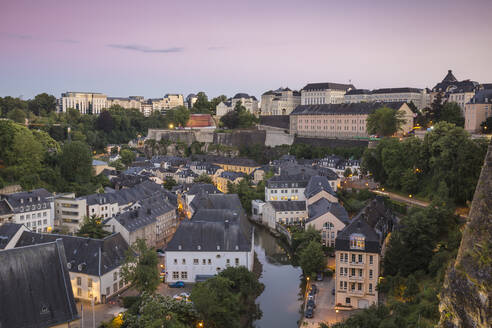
(280, 101)
(70, 211)
(419, 97)
(249, 102)
(172, 100)
(451, 89)
(327, 217)
(84, 102)
(341, 120)
(478, 109)
(291, 212)
(324, 93)
(134, 102)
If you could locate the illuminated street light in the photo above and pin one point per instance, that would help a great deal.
(171, 126)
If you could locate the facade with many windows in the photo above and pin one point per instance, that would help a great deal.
(84, 102)
(70, 211)
(479, 109)
(279, 102)
(324, 93)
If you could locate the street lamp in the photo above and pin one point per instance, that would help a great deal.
(171, 126)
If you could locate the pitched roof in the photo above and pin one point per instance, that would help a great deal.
(216, 201)
(84, 255)
(211, 230)
(27, 200)
(291, 205)
(7, 232)
(396, 90)
(5, 208)
(207, 188)
(35, 288)
(328, 85)
(449, 77)
(345, 108)
(316, 185)
(358, 92)
(323, 206)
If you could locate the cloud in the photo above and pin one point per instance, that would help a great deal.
(67, 41)
(144, 49)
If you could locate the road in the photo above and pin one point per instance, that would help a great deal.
(408, 200)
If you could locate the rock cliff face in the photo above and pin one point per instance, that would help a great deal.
(466, 299)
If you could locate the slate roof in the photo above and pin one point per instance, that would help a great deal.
(5, 208)
(28, 200)
(92, 256)
(126, 195)
(449, 77)
(211, 229)
(146, 213)
(360, 226)
(323, 206)
(288, 181)
(231, 175)
(7, 231)
(35, 288)
(345, 108)
(396, 90)
(207, 188)
(316, 185)
(358, 92)
(216, 201)
(242, 95)
(450, 82)
(291, 205)
(482, 95)
(328, 85)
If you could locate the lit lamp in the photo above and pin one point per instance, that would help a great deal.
(171, 126)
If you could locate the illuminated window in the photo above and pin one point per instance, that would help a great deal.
(357, 241)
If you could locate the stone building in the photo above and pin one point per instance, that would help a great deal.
(453, 90)
(324, 93)
(84, 102)
(249, 102)
(419, 97)
(279, 102)
(478, 109)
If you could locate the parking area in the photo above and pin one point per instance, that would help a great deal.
(325, 303)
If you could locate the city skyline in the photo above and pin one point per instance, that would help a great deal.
(124, 48)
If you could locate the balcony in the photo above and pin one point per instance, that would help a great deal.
(357, 263)
(355, 292)
(356, 278)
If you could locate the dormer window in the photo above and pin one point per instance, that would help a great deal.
(357, 241)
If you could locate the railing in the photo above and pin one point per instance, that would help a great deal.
(282, 230)
(358, 278)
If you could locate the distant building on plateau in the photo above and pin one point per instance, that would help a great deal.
(419, 97)
(479, 109)
(324, 93)
(84, 102)
(249, 102)
(453, 90)
(279, 102)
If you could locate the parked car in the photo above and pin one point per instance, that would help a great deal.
(177, 284)
(314, 288)
(319, 276)
(310, 303)
(309, 313)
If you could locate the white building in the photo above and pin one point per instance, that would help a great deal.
(279, 102)
(249, 102)
(211, 241)
(289, 212)
(133, 102)
(70, 211)
(286, 187)
(419, 97)
(34, 209)
(324, 93)
(84, 102)
(94, 264)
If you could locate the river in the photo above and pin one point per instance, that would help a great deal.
(279, 301)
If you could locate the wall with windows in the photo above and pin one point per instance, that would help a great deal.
(329, 225)
(272, 217)
(86, 287)
(39, 220)
(285, 193)
(185, 266)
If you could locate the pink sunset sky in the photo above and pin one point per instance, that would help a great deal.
(151, 47)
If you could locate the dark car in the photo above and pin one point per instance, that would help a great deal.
(314, 288)
(309, 313)
(177, 284)
(310, 303)
(319, 276)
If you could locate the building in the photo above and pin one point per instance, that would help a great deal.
(93, 264)
(172, 100)
(191, 100)
(216, 201)
(317, 188)
(327, 217)
(453, 90)
(99, 166)
(226, 177)
(211, 241)
(10, 234)
(70, 211)
(279, 102)
(235, 164)
(284, 212)
(249, 102)
(339, 164)
(478, 109)
(34, 209)
(153, 219)
(286, 187)
(419, 97)
(358, 254)
(257, 206)
(84, 102)
(200, 121)
(341, 120)
(133, 102)
(324, 93)
(35, 287)
(198, 188)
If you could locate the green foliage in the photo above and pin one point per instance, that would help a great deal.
(157, 311)
(17, 115)
(385, 121)
(312, 259)
(127, 156)
(247, 192)
(347, 172)
(76, 162)
(451, 113)
(140, 267)
(92, 227)
(301, 238)
(447, 154)
(179, 116)
(105, 122)
(239, 118)
(486, 126)
(42, 103)
(203, 178)
(169, 183)
(225, 299)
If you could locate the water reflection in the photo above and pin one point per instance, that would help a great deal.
(280, 300)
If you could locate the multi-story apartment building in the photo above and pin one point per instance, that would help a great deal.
(451, 89)
(133, 102)
(172, 100)
(211, 241)
(34, 209)
(419, 97)
(247, 101)
(291, 212)
(327, 217)
(324, 93)
(478, 109)
(225, 177)
(358, 255)
(279, 102)
(84, 102)
(94, 264)
(341, 120)
(70, 211)
(286, 187)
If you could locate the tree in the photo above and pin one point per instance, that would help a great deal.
(216, 304)
(411, 289)
(76, 162)
(201, 105)
(451, 113)
(42, 103)
(105, 121)
(127, 156)
(92, 227)
(169, 183)
(17, 115)
(433, 114)
(312, 259)
(179, 115)
(385, 121)
(140, 267)
(203, 178)
(230, 120)
(347, 172)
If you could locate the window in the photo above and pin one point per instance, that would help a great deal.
(44, 213)
(346, 257)
(370, 274)
(22, 217)
(352, 272)
(353, 257)
(183, 261)
(347, 300)
(184, 275)
(79, 281)
(344, 285)
(204, 261)
(89, 283)
(370, 288)
(195, 261)
(209, 261)
(341, 257)
(352, 286)
(370, 259)
(108, 291)
(175, 275)
(79, 291)
(115, 287)
(360, 258)
(237, 261)
(359, 286)
(115, 275)
(228, 262)
(175, 261)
